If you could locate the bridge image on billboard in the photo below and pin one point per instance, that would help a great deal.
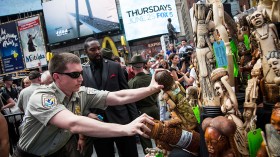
(68, 19)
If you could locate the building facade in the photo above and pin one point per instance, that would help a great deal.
(183, 9)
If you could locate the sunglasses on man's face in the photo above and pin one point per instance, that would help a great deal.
(73, 75)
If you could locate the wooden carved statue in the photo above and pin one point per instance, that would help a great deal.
(174, 122)
(203, 29)
(246, 60)
(267, 38)
(229, 106)
(242, 26)
(223, 90)
(218, 17)
(175, 96)
(246, 64)
(152, 152)
(167, 137)
(271, 8)
(273, 59)
(192, 95)
(271, 144)
(219, 137)
(251, 95)
(250, 117)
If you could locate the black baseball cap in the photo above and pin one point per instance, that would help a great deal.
(34, 74)
(7, 78)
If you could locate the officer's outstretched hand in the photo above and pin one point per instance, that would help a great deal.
(153, 83)
(138, 126)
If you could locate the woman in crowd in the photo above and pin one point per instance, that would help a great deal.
(176, 72)
(171, 50)
(147, 67)
(163, 64)
(191, 77)
(25, 82)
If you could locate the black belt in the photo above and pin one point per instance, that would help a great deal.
(21, 153)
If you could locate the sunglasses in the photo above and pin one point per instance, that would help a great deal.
(73, 75)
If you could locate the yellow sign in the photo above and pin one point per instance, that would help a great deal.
(112, 45)
(49, 56)
(123, 41)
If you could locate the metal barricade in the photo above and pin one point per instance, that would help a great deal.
(13, 128)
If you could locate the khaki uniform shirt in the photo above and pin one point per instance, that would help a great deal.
(25, 94)
(40, 138)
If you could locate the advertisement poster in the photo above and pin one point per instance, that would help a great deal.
(144, 18)
(67, 20)
(32, 42)
(10, 48)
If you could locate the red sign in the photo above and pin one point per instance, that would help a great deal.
(29, 25)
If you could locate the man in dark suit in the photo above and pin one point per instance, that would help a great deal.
(104, 74)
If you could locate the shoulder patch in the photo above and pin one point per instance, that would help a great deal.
(49, 101)
(90, 91)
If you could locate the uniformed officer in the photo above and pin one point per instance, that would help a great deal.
(147, 105)
(49, 121)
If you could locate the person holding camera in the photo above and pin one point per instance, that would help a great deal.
(185, 58)
(176, 70)
(185, 52)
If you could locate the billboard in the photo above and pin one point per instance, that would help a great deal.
(10, 48)
(32, 42)
(144, 18)
(72, 19)
(9, 7)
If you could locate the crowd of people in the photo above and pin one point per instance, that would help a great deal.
(73, 107)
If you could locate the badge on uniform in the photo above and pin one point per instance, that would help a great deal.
(49, 101)
(91, 91)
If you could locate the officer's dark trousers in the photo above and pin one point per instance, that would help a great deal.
(69, 150)
(104, 147)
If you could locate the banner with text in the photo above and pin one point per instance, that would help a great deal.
(10, 48)
(32, 42)
(144, 18)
